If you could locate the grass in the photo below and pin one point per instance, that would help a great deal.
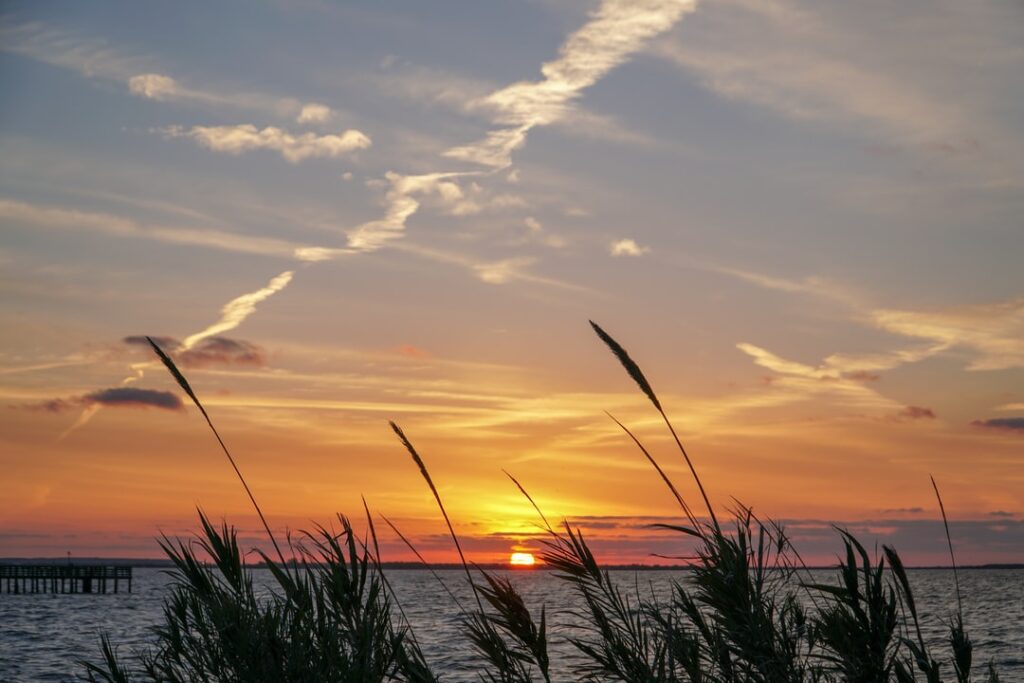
(750, 613)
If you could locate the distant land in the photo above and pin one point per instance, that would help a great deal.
(162, 563)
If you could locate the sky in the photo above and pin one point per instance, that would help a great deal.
(802, 219)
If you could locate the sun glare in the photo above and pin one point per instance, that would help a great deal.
(522, 560)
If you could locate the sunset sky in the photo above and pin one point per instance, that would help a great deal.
(803, 219)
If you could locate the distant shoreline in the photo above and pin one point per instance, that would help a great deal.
(164, 564)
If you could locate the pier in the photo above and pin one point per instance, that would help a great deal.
(64, 578)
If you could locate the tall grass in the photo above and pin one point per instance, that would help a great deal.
(749, 613)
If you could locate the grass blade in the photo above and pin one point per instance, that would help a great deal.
(183, 383)
(638, 376)
(437, 496)
(949, 541)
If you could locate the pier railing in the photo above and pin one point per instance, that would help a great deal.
(60, 578)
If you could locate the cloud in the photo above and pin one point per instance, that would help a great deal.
(116, 397)
(95, 58)
(90, 57)
(1001, 513)
(992, 332)
(166, 344)
(71, 219)
(153, 86)
(789, 57)
(1009, 424)
(163, 88)
(133, 397)
(905, 511)
(627, 247)
(805, 381)
(459, 93)
(500, 272)
(294, 148)
(494, 272)
(616, 30)
(537, 234)
(915, 413)
(314, 113)
(54, 405)
(223, 351)
(238, 309)
(995, 331)
(862, 376)
(808, 63)
(402, 202)
(208, 351)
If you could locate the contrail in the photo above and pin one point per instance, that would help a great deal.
(237, 310)
(616, 31)
(233, 314)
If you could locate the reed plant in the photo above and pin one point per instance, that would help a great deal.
(750, 612)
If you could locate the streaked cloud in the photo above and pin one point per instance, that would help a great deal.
(238, 309)
(994, 332)
(1009, 424)
(294, 148)
(118, 226)
(402, 201)
(500, 272)
(615, 31)
(90, 56)
(94, 57)
(134, 397)
(627, 247)
(116, 397)
(807, 62)
(207, 352)
(163, 88)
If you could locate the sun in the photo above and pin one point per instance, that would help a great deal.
(522, 560)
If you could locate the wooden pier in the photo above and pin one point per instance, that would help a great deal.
(64, 578)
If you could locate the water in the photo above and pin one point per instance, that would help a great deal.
(42, 636)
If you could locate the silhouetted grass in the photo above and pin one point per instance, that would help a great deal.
(749, 613)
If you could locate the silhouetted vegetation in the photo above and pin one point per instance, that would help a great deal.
(749, 613)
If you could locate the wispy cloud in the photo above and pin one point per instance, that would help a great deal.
(118, 226)
(616, 30)
(87, 55)
(993, 332)
(163, 88)
(238, 309)
(117, 397)
(1008, 424)
(94, 57)
(203, 345)
(294, 148)
(464, 94)
(809, 381)
(207, 352)
(807, 62)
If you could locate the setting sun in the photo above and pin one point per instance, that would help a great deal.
(522, 560)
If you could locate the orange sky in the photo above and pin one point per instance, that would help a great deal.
(409, 214)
